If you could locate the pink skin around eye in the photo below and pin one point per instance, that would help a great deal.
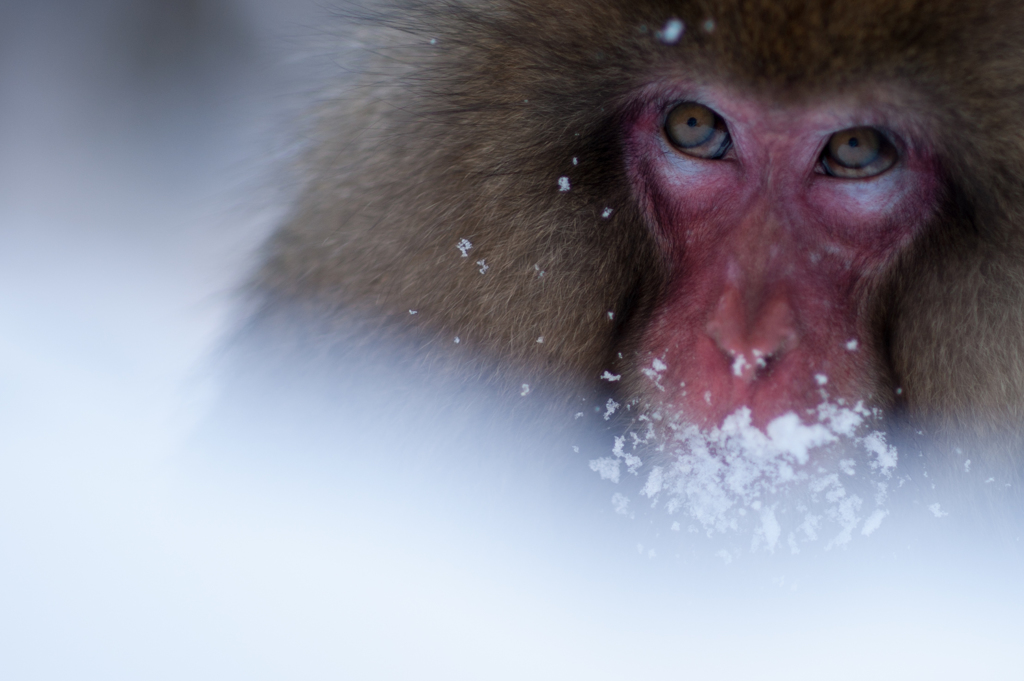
(769, 257)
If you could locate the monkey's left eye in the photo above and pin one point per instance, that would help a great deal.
(697, 131)
(858, 152)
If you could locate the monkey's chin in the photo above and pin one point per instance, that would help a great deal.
(795, 439)
(766, 406)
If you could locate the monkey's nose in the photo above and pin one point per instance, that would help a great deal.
(752, 347)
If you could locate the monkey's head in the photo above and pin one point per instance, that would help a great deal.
(711, 204)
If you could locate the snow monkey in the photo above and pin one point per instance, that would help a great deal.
(700, 205)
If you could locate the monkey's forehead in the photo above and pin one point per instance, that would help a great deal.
(768, 43)
(794, 42)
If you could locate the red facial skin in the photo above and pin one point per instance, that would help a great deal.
(770, 257)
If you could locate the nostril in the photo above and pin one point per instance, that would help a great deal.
(754, 348)
(775, 332)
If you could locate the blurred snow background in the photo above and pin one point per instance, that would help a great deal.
(147, 534)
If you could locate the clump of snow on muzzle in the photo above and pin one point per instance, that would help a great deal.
(793, 482)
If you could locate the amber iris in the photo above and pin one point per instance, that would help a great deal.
(858, 153)
(696, 130)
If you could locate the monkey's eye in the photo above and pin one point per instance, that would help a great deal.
(697, 131)
(858, 152)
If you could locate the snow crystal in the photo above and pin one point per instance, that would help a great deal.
(610, 377)
(967, 466)
(788, 434)
(526, 390)
(769, 531)
(483, 266)
(575, 161)
(633, 462)
(413, 312)
(873, 522)
(845, 514)
(610, 408)
(655, 481)
(606, 467)
(885, 455)
(937, 511)
(464, 245)
(671, 32)
(563, 184)
(739, 364)
(540, 339)
(611, 315)
(737, 477)
(457, 340)
(606, 213)
(620, 503)
(851, 345)
(821, 379)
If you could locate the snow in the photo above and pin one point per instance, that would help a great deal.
(464, 247)
(722, 477)
(563, 184)
(739, 364)
(607, 467)
(671, 32)
(873, 521)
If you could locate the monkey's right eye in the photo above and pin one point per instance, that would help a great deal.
(697, 131)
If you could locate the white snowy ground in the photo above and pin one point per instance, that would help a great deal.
(137, 541)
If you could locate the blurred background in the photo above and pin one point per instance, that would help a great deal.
(145, 152)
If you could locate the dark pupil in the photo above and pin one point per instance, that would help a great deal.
(692, 122)
(853, 142)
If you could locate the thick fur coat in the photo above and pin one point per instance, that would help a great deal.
(433, 209)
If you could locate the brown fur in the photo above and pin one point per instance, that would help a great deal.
(467, 138)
